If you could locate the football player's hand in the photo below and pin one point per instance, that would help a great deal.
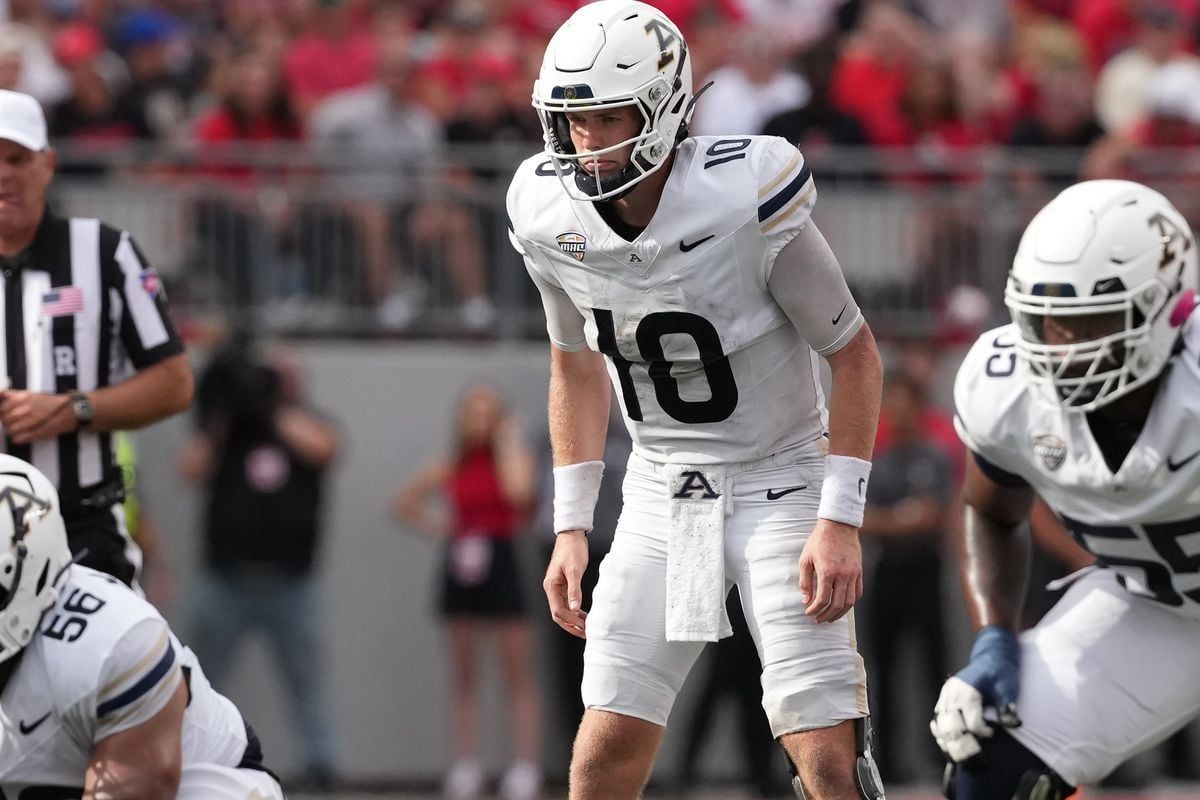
(30, 416)
(831, 577)
(563, 582)
(992, 678)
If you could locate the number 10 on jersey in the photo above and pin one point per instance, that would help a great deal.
(650, 330)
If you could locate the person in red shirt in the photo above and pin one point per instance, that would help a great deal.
(336, 53)
(487, 483)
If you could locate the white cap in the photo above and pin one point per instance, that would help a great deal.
(22, 120)
(1174, 90)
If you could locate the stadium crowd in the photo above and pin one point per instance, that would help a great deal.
(378, 92)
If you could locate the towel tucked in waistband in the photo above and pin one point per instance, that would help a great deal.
(696, 554)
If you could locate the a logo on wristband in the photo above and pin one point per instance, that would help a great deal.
(861, 483)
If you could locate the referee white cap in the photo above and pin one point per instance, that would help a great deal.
(22, 120)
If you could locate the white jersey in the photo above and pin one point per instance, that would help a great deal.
(708, 367)
(1144, 521)
(102, 662)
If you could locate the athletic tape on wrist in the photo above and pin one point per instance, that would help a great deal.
(844, 492)
(576, 489)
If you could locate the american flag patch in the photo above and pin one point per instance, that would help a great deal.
(150, 282)
(62, 301)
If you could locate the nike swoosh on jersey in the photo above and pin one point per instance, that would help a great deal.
(1178, 465)
(775, 494)
(838, 318)
(28, 728)
(688, 247)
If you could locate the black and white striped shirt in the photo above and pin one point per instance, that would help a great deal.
(79, 306)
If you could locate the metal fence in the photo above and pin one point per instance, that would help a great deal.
(307, 243)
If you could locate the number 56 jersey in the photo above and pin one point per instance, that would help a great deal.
(1144, 519)
(707, 365)
(103, 661)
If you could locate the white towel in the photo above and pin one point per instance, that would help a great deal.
(696, 555)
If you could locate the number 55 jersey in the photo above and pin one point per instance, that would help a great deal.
(1142, 520)
(707, 365)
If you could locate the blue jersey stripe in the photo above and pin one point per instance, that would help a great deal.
(148, 682)
(785, 194)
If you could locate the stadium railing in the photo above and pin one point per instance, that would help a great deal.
(276, 235)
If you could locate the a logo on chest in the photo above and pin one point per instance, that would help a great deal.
(573, 244)
(1051, 449)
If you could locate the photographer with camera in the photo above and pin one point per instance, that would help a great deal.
(262, 457)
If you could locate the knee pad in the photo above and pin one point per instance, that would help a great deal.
(866, 773)
(1004, 770)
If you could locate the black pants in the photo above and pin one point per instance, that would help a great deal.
(97, 542)
(903, 601)
(735, 674)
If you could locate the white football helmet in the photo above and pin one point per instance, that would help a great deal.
(34, 555)
(1120, 254)
(614, 53)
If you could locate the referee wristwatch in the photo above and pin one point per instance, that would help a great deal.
(84, 411)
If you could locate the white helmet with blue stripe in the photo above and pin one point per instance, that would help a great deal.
(609, 54)
(1103, 279)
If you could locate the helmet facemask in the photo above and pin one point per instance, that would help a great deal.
(1084, 353)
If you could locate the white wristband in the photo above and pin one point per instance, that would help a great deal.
(576, 489)
(844, 492)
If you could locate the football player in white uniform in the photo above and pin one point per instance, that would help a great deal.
(689, 269)
(98, 698)
(1091, 399)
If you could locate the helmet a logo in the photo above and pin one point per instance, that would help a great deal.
(573, 244)
(666, 37)
(570, 93)
(1170, 235)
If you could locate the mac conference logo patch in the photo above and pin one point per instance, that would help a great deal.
(1051, 449)
(573, 244)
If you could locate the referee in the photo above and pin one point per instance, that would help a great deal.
(79, 306)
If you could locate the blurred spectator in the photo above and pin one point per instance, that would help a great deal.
(99, 112)
(818, 123)
(487, 482)
(1159, 36)
(262, 459)
(931, 119)
(872, 74)
(236, 234)
(163, 73)
(756, 86)
(908, 505)
(488, 113)
(1063, 114)
(27, 52)
(10, 61)
(1107, 27)
(333, 54)
(252, 105)
(1172, 123)
(795, 24)
(1062, 118)
(393, 144)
